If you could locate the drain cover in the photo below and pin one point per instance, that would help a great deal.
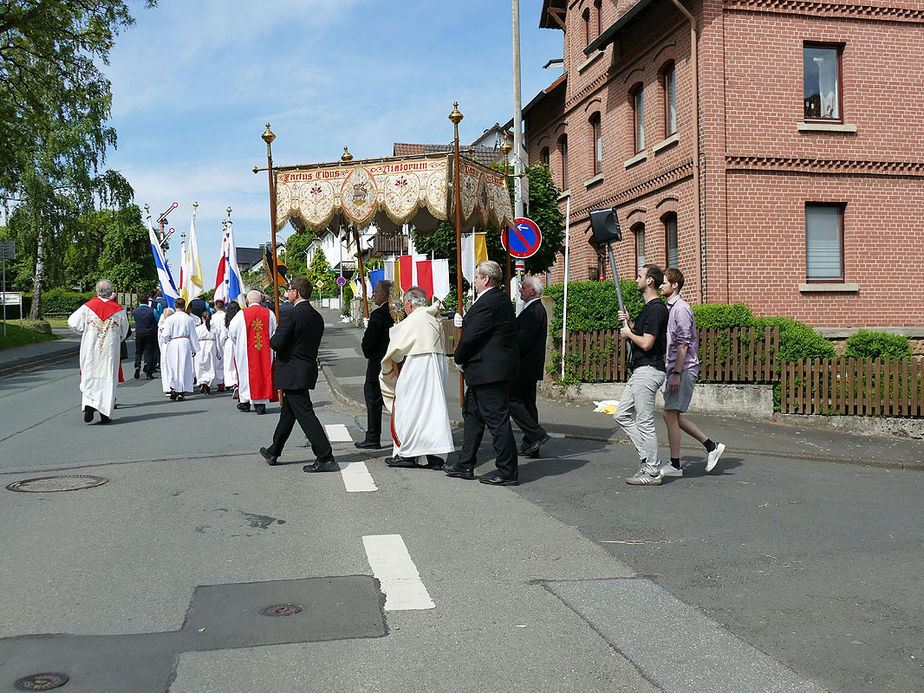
(41, 682)
(49, 484)
(281, 610)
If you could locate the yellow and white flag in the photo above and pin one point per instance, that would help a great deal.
(192, 271)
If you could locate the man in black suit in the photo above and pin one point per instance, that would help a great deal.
(487, 356)
(532, 329)
(375, 344)
(145, 337)
(296, 343)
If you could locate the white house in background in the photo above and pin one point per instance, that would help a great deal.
(340, 252)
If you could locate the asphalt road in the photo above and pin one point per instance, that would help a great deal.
(774, 574)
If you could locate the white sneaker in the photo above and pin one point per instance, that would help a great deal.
(643, 478)
(667, 469)
(712, 459)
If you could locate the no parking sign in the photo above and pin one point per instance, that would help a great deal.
(525, 238)
(341, 281)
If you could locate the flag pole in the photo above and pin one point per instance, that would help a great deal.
(456, 117)
(268, 137)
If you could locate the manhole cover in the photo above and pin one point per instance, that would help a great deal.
(41, 682)
(49, 484)
(281, 610)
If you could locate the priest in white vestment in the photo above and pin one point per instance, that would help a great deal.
(250, 331)
(180, 343)
(413, 381)
(103, 325)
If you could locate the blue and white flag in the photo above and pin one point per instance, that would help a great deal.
(228, 285)
(167, 287)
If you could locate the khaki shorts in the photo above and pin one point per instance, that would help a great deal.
(680, 400)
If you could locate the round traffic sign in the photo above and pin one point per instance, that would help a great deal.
(341, 281)
(525, 238)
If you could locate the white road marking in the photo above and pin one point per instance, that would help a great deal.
(392, 565)
(356, 477)
(338, 433)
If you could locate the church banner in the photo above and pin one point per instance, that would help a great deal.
(389, 193)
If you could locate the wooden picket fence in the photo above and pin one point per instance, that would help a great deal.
(730, 355)
(858, 387)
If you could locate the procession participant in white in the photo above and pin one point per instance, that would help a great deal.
(208, 359)
(180, 345)
(227, 356)
(250, 330)
(220, 335)
(413, 381)
(103, 324)
(164, 366)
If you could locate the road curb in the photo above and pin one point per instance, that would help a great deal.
(25, 365)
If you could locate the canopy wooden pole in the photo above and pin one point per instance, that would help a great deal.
(268, 137)
(456, 118)
(359, 264)
(505, 148)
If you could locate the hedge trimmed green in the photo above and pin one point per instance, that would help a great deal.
(869, 344)
(58, 300)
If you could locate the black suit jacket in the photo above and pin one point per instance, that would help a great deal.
(375, 340)
(296, 342)
(532, 329)
(487, 348)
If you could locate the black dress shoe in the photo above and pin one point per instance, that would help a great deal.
(243, 406)
(368, 445)
(270, 458)
(434, 462)
(458, 472)
(398, 461)
(173, 394)
(533, 449)
(137, 373)
(328, 465)
(260, 408)
(495, 479)
(88, 414)
(149, 376)
(103, 419)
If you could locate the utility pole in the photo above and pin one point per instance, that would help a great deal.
(517, 117)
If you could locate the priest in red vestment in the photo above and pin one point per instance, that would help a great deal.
(250, 331)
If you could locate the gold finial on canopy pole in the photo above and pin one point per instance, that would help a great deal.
(346, 155)
(456, 117)
(268, 137)
(505, 148)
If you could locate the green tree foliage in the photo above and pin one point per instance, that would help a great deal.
(126, 258)
(875, 345)
(320, 270)
(295, 252)
(54, 104)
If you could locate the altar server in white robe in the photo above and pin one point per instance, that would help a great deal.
(164, 366)
(220, 335)
(180, 345)
(413, 381)
(250, 330)
(208, 359)
(229, 365)
(104, 325)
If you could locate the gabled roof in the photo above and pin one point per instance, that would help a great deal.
(554, 86)
(248, 257)
(482, 155)
(553, 14)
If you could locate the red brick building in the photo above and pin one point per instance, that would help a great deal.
(779, 164)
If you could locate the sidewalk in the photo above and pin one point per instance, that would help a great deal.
(344, 367)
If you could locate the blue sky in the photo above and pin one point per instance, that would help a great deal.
(195, 82)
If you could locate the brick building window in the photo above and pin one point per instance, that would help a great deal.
(824, 242)
(670, 240)
(637, 95)
(639, 232)
(544, 156)
(596, 140)
(585, 15)
(821, 82)
(598, 17)
(563, 149)
(669, 86)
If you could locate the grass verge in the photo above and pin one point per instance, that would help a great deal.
(17, 336)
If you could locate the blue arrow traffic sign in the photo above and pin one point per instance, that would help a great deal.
(525, 238)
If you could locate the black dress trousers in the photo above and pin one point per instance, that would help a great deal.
(523, 409)
(297, 406)
(488, 405)
(372, 393)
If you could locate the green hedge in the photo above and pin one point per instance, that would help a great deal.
(874, 345)
(62, 301)
(593, 305)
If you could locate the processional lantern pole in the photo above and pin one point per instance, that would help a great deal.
(268, 137)
(456, 117)
(359, 251)
(505, 148)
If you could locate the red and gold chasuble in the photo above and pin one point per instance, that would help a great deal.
(105, 310)
(259, 354)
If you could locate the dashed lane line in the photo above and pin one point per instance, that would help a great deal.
(392, 566)
(338, 433)
(356, 478)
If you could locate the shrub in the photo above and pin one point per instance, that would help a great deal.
(875, 345)
(347, 297)
(798, 340)
(61, 301)
(719, 315)
(593, 305)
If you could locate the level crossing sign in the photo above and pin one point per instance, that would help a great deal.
(525, 238)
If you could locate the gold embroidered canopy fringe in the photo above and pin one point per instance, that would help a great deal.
(389, 192)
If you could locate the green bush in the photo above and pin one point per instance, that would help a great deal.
(61, 301)
(875, 345)
(719, 315)
(593, 305)
(347, 297)
(798, 340)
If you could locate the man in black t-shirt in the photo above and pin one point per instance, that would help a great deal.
(635, 413)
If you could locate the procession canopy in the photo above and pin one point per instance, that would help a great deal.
(390, 192)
